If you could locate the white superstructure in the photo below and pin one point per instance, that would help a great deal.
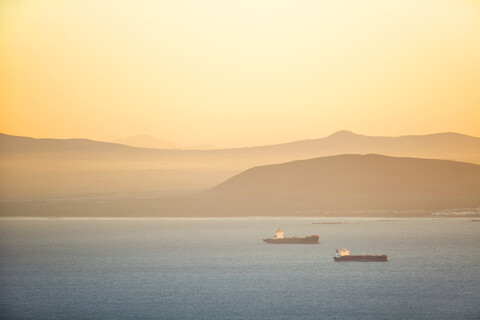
(280, 234)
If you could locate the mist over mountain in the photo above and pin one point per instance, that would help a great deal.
(45, 168)
(342, 185)
(146, 141)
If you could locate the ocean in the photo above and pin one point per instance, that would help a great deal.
(217, 268)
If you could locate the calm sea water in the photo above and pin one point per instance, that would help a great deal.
(221, 269)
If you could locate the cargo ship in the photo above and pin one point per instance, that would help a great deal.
(280, 239)
(344, 255)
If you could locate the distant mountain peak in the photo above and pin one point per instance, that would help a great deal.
(343, 134)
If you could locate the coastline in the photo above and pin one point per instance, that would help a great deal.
(183, 208)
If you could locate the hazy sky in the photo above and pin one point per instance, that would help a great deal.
(238, 73)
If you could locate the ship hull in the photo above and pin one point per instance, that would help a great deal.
(306, 240)
(362, 258)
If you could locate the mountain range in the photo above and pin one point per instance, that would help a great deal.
(448, 146)
(342, 185)
(65, 168)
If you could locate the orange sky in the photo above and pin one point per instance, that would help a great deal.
(238, 73)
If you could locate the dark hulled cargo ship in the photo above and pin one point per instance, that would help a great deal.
(344, 255)
(280, 239)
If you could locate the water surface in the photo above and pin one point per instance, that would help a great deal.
(220, 269)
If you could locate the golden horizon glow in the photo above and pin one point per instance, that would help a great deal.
(238, 73)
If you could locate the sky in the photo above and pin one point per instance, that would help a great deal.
(238, 73)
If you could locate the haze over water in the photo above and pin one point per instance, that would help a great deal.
(221, 269)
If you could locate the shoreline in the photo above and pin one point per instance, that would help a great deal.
(327, 220)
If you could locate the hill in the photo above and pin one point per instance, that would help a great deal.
(352, 182)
